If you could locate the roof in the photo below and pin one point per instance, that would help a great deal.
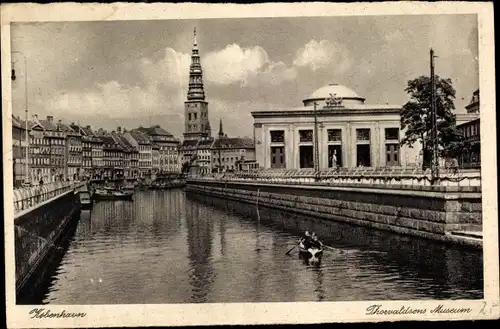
(66, 128)
(139, 136)
(16, 122)
(47, 125)
(189, 144)
(347, 109)
(205, 143)
(337, 90)
(234, 142)
(158, 131)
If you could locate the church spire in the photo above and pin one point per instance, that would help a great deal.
(221, 132)
(196, 90)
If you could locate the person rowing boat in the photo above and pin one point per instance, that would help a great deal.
(311, 247)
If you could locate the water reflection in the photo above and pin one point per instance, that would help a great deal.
(165, 247)
(199, 241)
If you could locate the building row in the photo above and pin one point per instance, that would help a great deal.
(221, 154)
(58, 151)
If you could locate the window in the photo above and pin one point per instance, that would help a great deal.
(392, 154)
(363, 134)
(277, 136)
(195, 115)
(334, 135)
(305, 136)
(392, 133)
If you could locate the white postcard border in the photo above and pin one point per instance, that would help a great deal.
(258, 313)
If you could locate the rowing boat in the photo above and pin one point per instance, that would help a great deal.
(311, 253)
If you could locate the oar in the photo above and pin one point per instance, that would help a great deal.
(292, 248)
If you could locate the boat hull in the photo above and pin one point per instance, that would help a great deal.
(111, 197)
(311, 255)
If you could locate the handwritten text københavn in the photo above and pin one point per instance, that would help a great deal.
(41, 313)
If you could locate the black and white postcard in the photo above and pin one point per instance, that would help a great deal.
(210, 164)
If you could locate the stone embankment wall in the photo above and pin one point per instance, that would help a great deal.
(37, 231)
(423, 213)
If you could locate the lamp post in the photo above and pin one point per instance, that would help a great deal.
(13, 77)
(316, 147)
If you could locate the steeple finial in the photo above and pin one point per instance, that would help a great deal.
(194, 41)
(221, 132)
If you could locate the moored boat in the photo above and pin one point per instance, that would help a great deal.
(110, 194)
(85, 199)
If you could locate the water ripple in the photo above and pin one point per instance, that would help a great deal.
(166, 248)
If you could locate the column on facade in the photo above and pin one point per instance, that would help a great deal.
(377, 139)
(290, 146)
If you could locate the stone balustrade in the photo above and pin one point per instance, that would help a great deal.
(31, 197)
(395, 176)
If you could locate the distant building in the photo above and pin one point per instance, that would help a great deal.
(232, 153)
(350, 133)
(112, 157)
(168, 148)
(74, 158)
(203, 155)
(19, 145)
(47, 151)
(470, 132)
(141, 141)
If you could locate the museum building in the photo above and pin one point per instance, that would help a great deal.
(350, 133)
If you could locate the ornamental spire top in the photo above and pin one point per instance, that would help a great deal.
(195, 91)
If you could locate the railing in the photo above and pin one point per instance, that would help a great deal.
(30, 197)
(356, 176)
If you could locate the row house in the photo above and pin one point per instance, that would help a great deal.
(142, 143)
(19, 147)
(155, 158)
(47, 151)
(187, 155)
(97, 153)
(113, 158)
(74, 158)
(130, 157)
(168, 148)
(86, 171)
(203, 155)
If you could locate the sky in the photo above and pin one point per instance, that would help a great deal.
(130, 73)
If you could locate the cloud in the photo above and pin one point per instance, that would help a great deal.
(244, 66)
(111, 98)
(323, 54)
(171, 70)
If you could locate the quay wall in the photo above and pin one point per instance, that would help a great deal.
(37, 232)
(421, 212)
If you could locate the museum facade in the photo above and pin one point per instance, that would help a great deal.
(350, 133)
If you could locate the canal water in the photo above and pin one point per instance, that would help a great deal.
(173, 247)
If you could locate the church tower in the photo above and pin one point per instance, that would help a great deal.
(196, 122)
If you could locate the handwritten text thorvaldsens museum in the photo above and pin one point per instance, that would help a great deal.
(378, 310)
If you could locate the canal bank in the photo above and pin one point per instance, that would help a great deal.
(451, 215)
(42, 217)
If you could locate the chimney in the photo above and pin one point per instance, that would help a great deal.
(50, 118)
(88, 127)
(59, 122)
(72, 123)
(119, 130)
